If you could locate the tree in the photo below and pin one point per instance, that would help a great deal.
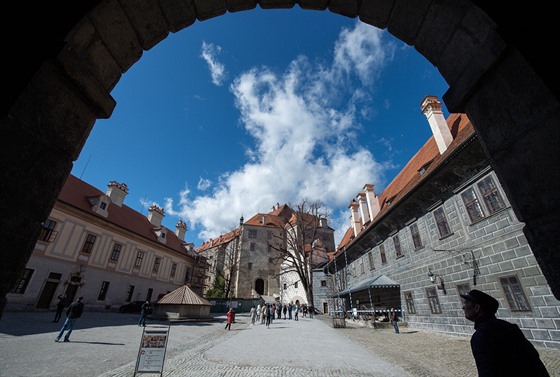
(304, 244)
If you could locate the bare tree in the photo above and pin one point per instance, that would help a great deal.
(302, 247)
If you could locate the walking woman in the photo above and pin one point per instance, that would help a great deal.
(230, 318)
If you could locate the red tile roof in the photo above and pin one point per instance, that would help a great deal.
(429, 158)
(76, 193)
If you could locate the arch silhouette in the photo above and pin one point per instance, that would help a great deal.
(63, 68)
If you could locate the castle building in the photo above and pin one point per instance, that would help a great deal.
(442, 227)
(93, 245)
(256, 257)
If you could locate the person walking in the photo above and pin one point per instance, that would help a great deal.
(284, 310)
(253, 314)
(259, 312)
(230, 318)
(290, 308)
(394, 320)
(296, 312)
(144, 311)
(268, 315)
(499, 347)
(73, 312)
(60, 305)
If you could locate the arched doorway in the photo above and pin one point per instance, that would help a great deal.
(259, 286)
(78, 53)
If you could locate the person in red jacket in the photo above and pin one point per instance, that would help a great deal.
(230, 318)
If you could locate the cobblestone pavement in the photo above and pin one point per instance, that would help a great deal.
(106, 345)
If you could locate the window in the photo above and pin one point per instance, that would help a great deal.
(88, 244)
(129, 293)
(285, 286)
(433, 300)
(156, 265)
(397, 243)
(371, 264)
(362, 270)
(187, 277)
(416, 240)
(270, 260)
(47, 232)
(492, 197)
(323, 283)
(514, 294)
(269, 235)
(252, 246)
(150, 294)
(474, 209)
(116, 251)
(21, 285)
(382, 254)
(296, 284)
(102, 205)
(409, 303)
(139, 258)
(103, 291)
(173, 270)
(249, 266)
(252, 233)
(441, 222)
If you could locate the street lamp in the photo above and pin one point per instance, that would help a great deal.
(434, 277)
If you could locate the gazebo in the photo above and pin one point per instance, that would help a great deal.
(182, 303)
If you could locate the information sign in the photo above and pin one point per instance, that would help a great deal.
(151, 354)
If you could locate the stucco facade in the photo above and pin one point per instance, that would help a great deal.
(92, 245)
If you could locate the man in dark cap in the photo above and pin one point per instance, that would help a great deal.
(73, 312)
(499, 347)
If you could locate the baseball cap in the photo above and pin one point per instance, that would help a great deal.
(486, 301)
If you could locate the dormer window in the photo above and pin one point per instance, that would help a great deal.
(103, 205)
(100, 205)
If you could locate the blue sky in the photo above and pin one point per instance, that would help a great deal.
(235, 114)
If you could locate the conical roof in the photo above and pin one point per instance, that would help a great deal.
(183, 295)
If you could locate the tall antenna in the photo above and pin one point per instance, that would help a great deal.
(83, 171)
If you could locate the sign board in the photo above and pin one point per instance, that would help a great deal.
(151, 353)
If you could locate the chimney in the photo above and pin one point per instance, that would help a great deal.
(355, 218)
(364, 213)
(372, 201)
(431, 108)
(116, 192)
(180, 230)
(155, 215)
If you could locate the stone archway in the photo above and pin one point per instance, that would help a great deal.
(78, 52)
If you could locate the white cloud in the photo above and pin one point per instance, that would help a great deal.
(217, 69)
(203, 184)
(306, 125)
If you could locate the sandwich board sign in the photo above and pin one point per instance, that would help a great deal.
(151, 353)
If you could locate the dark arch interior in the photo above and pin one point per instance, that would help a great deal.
(67, 57)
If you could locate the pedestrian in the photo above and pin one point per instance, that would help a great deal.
(499, 347)
(354, 313)
(259, 312)
(279, 311)
(284, 310)
(394, 320)
(268, 315)
(311, 309)
(253, 313)
(144, 311)
(296, 312)
(264, 314)
(73, 312)
(60, 305)
(290, 308)
(230, 318)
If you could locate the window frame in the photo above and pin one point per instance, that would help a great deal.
(157, 263)
(433, 300)
(382, 254)
(139, 259)
(514, 294)
(23, 281)
(397, 245)
(103, 290)
(252, 233)
(409, 301)
(439, 214)
(371, 260)
(415, 235)
(88, 245)
(115, 253)
(173, 271)
(48, 234)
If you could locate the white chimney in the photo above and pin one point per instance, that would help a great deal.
(116, 192)
(372, 201)
(181, 230)
(431, 108)
(155, 215)
(364, 213)
(355, 217)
